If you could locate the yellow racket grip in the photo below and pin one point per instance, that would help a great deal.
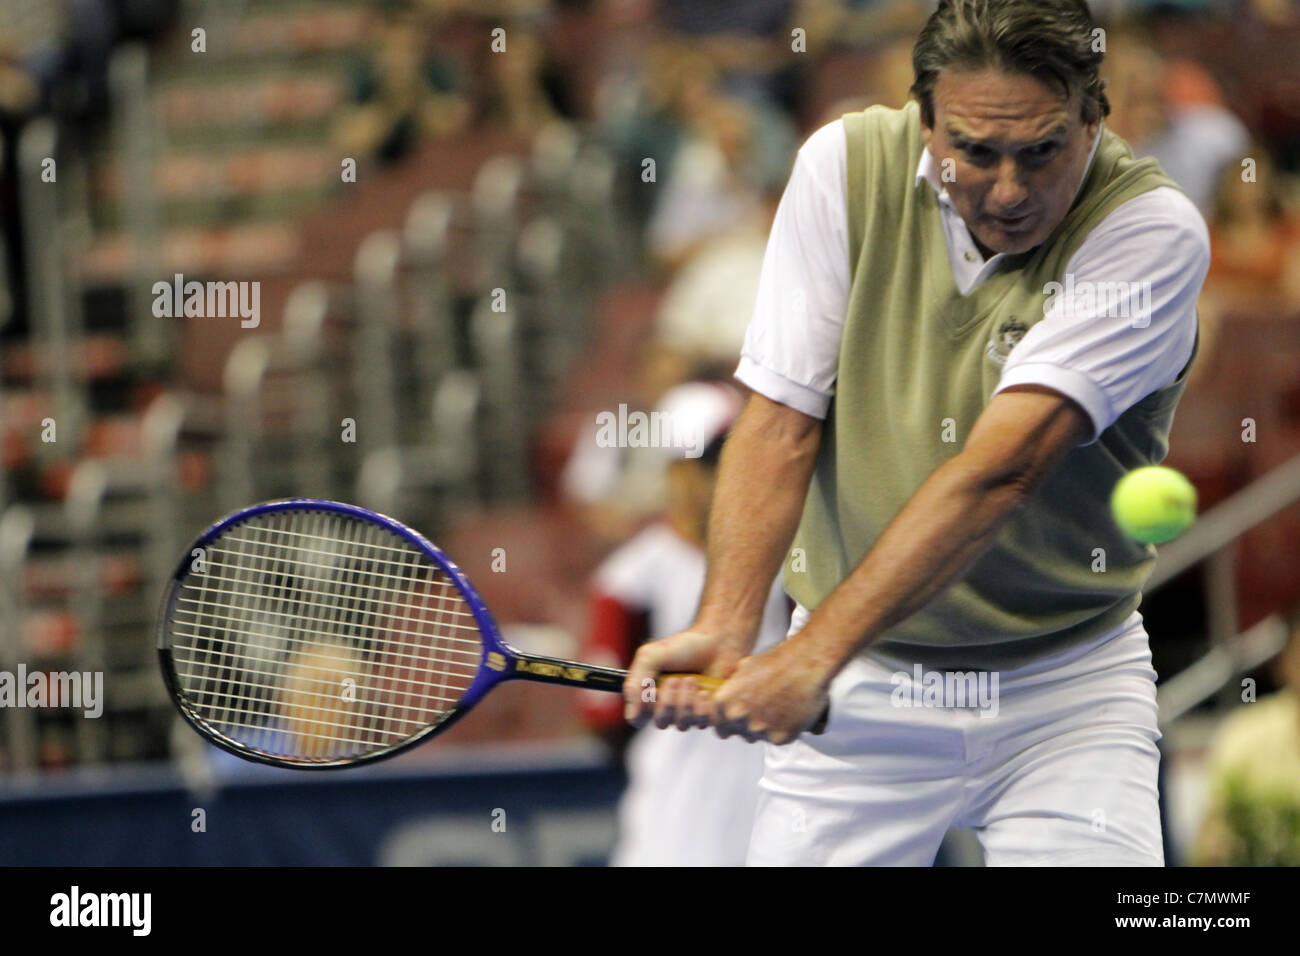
(704, 680)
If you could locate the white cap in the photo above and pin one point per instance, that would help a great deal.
(690, 417)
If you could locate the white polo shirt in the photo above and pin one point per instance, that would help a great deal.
(1100, 361)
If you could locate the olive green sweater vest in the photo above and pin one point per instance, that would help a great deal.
(918, 363)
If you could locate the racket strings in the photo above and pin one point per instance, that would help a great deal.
(312, 635)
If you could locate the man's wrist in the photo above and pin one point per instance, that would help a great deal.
(827, 651)
(731, 630)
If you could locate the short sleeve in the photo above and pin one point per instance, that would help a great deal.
(1121, 323)
(792, 342)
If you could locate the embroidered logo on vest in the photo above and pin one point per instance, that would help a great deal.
(1005, 338)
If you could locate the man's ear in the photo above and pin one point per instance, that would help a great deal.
(1095, 125)
(926, 134)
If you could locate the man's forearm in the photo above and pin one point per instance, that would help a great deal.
(762, 483)
(950, 521)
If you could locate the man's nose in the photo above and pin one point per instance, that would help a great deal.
(1009, 189)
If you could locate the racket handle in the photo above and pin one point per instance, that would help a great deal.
(711, 684)
(706, 682)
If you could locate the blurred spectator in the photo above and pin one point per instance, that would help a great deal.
(31, 39)
(712, 149)
(75, 67)
(1254, 776)
(699, 330)
(402, 90)
(143, 19)
(702, 318)
(867, 22)
(30, 32)
(1192, 136)
(615, 489)
(891, 73)
(712, 18)
(1277, 13)
(20, 94)
(19, 99)
(525, 88)
(1254, 251)
(886, 80)
(748, 39)
(691, 796)
(642, 113)
(1255, 235)
(53, 61)
(732, 152)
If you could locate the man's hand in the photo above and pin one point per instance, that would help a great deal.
(773, 696)
(672, 700)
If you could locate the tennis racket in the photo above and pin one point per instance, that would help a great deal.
(315, 634)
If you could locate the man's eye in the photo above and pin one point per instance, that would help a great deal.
(976, 152)
(1041, 151)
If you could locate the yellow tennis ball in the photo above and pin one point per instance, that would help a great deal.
(1153, 504)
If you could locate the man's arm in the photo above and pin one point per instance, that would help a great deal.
(950, 521)
(763, 479)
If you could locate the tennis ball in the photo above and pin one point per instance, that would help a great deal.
(1153, 504)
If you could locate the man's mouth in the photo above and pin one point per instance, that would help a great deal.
(1012, 223)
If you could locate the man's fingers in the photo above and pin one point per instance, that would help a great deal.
(703, 708)
(640, 685)
(730, 718)
(668, 700)
(739, 728)
(718, 717)
(683, 704)
(688, 694)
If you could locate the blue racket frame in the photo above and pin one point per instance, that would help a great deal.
(491, 671)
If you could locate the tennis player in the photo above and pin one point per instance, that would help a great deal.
(976, 313)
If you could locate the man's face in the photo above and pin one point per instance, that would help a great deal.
(1018, 154)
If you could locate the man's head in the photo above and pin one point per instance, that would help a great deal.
(1011, 102)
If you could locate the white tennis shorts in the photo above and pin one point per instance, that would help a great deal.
(1053, 764)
